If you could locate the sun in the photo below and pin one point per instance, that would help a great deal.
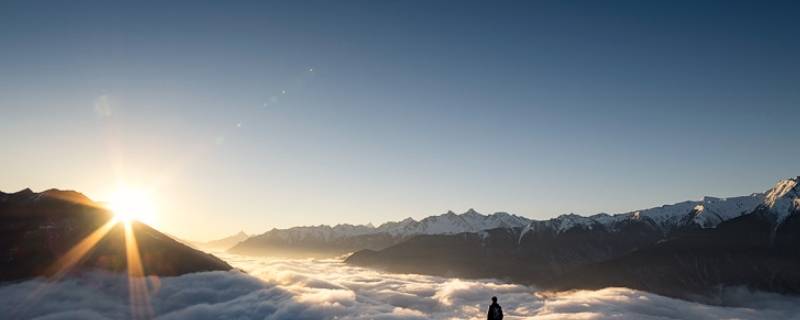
(132, 204)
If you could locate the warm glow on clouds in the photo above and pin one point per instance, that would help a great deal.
(328, 289)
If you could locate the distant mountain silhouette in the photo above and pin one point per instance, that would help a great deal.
(687, 250)
(223, 243)
(37, 229)
(273, 244)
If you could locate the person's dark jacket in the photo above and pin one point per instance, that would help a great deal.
(495, 312)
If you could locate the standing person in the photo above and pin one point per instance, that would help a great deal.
(495, 311)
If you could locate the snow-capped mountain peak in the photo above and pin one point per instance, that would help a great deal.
(471, 212)
(784, 198)
(781, 189)
(713, 211)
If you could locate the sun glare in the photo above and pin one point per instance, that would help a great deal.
(132, 204)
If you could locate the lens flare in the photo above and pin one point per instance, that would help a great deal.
(132, 204)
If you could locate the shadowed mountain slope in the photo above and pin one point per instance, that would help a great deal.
(37, 230)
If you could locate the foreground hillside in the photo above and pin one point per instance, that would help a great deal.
(40, 234)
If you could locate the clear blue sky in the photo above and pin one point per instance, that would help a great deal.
(250, 115)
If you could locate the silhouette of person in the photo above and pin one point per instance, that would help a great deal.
(495, 311)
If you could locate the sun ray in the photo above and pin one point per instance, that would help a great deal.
(137, 282)
(66, 262)
(77, 253)
(138, 289)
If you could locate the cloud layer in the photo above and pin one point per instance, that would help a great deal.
(329, 289)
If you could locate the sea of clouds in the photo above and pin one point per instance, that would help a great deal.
(330, 289)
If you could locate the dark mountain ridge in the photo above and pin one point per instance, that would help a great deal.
(38, 229)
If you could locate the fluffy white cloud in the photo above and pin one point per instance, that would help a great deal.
(329, 289)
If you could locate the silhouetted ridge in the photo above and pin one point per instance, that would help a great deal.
(36, 229)
(223, 243)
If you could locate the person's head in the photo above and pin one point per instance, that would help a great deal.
(494, 299)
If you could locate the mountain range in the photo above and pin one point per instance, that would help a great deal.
(324, 240)
(690, 250)
(327, 241)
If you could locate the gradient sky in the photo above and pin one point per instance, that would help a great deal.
(253, 115)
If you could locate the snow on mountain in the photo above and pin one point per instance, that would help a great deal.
(398, 228)
(784, 198)
(666, 216)
(321, 232)
(713, 211)
(447, 223)
(708, 213)
(450, 223)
